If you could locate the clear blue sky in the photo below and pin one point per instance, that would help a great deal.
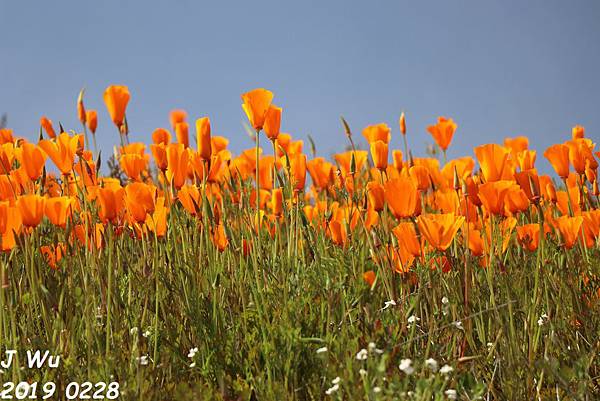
(499, 68)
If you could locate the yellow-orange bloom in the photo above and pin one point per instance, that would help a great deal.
(569, 228)
(272, 123)
(378, 132)
(177, 164)
(182, 133)
(176, 117)
(256, 104)
(443, 132)
(32, 160)
(91, 118)
(402, 196)
(140, 200)
(161, 135)
(558, 156)
(58, 210)
(493, 160)
(376, 196)
(578, 132)
(379, 153)
(31, 208)
(402, 123)
(492, 194)
(528, 236)
(116, 98)
(62, 150)
(46, 124)
(439, 229)
(203, 137)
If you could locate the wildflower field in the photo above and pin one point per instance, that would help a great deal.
(181, 271)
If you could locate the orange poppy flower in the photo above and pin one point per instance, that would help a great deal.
(578, 132)
(492, 195)
(161, 135)
(407, 238)
(80, 108)
(190, 198)
(277, 202)
(420, 174)
(219, 238)
(476, 244)
(7, 156)
(379, 153)
(116, 98)
(443, 132)
(439, 229)
(53, 254)
(581, 155)
(380, 132)
(397, 158)
(569, 228)
(46, 124)
(91, 117)
(203, 138)
(321, 172)
(517, 144)
(402, 197)
(256, 104)
(133, 165)
(140, 200)
(273, 122)
(558, 156)
(515, 200)
(345, 161)
(31, 209)
(218, 144)
(493, 160)
(376, 196)
(463, 167)
(176, 117)
(591, 227)
(159, 152)
(298, 171)
(369, 277)
(529, 182)
(111, 203)
(182, 133)
(157, 221)
(6, 135)
(10, 223)
(338, 234)
(528, 236)
(446, 200)
(62, 150)
(177, 164)
(58, 209)
(526, 159)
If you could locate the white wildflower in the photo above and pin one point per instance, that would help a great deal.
(332, 389)
(458, 324)
(451, 394)
(377, 389)
(372, 346)
(193, 365)
(362, 354)
(406, 366)
(321, 350)
(412, 320)
(133, 331)
(142, 360)
(446, 369)
(445, 301)
(543, 319)
(337, 380)
(362, 372)
(432, 364)
(389, 303)
(192, 352)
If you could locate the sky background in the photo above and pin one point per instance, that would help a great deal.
(498, 68)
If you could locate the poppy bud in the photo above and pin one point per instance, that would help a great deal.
(81, 114)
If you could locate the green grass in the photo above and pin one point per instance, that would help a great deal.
(258, 320)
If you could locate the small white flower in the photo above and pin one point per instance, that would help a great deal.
(193, 365)
(451, 394)
(321, 350)
(142, 360)
(372, 346)
(192, 352)
(446, 369)
(362, 354)
(378, 351)
(406, 366)
(432, 364)
(362, 372)
(133, 331)
(458, 325)
(377, 389)
(337, 380)
(445, 301)
(412, 320)
(146, 333)
(543, 319)
(389, 303)
(490, 345)
(332, 389)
